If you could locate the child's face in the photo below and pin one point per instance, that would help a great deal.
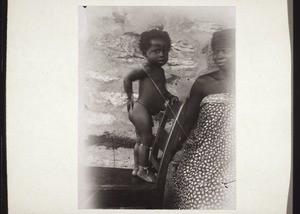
(224, 57)
(158, 52)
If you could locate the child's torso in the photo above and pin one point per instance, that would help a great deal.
(152, 91)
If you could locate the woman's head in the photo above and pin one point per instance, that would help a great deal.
(155, 45)
(223, 47)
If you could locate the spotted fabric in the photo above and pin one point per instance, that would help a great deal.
(205, 178)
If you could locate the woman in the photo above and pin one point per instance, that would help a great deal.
(205, 178)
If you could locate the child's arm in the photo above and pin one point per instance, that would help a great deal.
(172, 98)
(128, 79)
(168, 95)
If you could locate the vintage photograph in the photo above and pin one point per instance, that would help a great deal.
(149, 106)
(156, 101)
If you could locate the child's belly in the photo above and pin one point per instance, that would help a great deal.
(151, 96)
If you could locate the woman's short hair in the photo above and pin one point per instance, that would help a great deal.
(223, 39)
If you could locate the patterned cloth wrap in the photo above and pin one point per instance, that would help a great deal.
(205, 178)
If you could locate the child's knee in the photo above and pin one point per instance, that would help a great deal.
(147, 139)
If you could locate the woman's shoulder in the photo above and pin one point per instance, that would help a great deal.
(204, 85)
(203, 82)
(204, 79)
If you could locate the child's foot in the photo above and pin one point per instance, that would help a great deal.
(146, 175)
(135, 170)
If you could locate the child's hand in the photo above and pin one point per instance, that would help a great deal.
(178, 156)
(173, 99)
(129, 104)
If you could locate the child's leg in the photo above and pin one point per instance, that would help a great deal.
(136, 153)
(136, 148)
(142, 120)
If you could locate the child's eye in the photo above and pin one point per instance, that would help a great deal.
(156, 51)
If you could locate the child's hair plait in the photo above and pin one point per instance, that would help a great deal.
(147, 36)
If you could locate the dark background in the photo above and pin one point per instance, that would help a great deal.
(3, 174)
